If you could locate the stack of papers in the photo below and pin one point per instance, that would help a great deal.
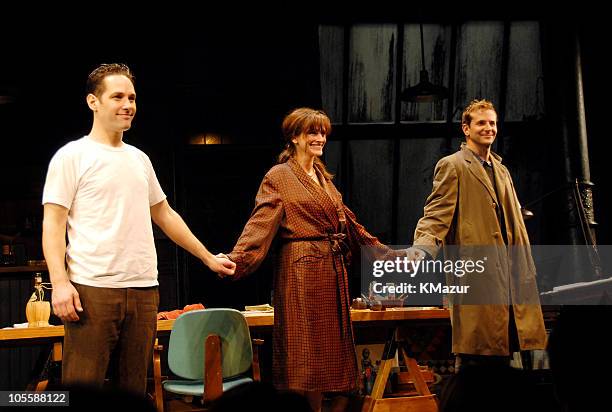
(17, 326)
(259, 308)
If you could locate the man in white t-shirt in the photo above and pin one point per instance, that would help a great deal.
(105, 193)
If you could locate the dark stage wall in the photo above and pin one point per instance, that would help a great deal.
(234, 81)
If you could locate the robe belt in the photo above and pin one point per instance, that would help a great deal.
(337, 241)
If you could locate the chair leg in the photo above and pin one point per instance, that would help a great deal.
(213, 374)
(256, 371)
(159, 395)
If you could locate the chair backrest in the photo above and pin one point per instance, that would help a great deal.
(186, 347)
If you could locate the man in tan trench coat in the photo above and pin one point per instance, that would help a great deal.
(473, 204)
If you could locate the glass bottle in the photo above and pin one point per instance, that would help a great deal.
(38, 310)
(8, 255)
(11, 256)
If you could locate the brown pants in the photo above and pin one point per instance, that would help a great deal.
(118, 322)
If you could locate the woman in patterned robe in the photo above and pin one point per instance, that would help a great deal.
(298, 205)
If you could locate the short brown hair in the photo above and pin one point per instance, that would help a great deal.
(466, 117)
(95, 80)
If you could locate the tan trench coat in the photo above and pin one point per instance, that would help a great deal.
(313, 346)
(461, 210)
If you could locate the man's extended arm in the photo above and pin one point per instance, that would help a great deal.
(176, 229)
(439, 210)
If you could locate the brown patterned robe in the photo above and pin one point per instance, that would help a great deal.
(313, 348)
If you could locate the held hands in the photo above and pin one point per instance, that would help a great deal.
(222, 265)
(415, 254)
(66, 302)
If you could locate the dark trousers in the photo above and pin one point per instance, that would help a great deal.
(121, 323)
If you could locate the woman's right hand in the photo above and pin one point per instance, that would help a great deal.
(222, 265)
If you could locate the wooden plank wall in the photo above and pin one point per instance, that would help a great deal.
(366, 163)
(371, 73)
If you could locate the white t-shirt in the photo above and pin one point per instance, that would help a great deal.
(109, 192)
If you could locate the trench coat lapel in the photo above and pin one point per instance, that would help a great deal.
(501, 179)
(317, 192)
(478, 171)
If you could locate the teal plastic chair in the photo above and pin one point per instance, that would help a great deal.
(211, 350)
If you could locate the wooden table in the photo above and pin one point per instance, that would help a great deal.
(266, 319)
(392, 318)
(27, 268)
(22, 336)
